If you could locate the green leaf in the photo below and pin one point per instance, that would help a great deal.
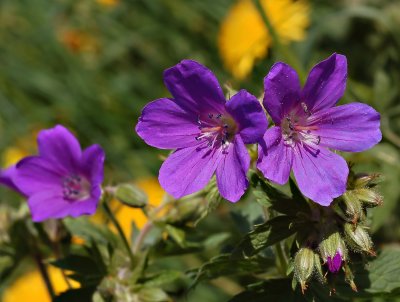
(79, 264)
(131, 196)
(264, 235)
(225, 265)
(160, 279)
(153, 295)
(270, 197)
(272, 290)
(177, 234)
(89, 231)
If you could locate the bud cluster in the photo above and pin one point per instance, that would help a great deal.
(339, 230)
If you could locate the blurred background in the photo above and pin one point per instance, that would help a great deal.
(92, 65)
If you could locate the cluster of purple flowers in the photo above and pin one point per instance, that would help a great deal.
(209, 133)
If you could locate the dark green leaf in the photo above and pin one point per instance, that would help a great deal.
(161, 279)
(264, 235)
(77, 295)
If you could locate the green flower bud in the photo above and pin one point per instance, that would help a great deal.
(366, 180)
(358, 238)
(369, 197)
(304, 266)
(331, 245)
(131, 196)
(352, 205)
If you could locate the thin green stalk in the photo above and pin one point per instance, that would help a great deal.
(283, 50)
(283, 263)
(115, 222)
(44, 274)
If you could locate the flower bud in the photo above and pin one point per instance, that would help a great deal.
(366, 180)
(333, 251)
(303, 266)
(131, 196)
(369, 197)
(352, 206)
(358, 238)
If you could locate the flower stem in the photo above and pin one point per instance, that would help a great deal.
(142, 235)
(44, 274)
(115, 222)
(284, 51)
(283, 264)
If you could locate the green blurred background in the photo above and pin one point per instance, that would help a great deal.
(92, 66)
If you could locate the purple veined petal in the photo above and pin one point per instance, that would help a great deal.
(274, 158)
(92, 164)
(195, 88)
(353, 127)
(326, 83)
(320, 174)
(36, 174)
(188, 170)
(7, 176)
(50, 204)
(334, 263)
(281, 91)
(165, 124)
(232, 169)
(249, 115)
(61, 147)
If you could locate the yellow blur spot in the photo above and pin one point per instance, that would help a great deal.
(21, 148)
(12, 155)
(78, 41)
(109, 3)
(243, 37)
(31, 287)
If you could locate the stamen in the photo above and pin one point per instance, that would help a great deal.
(75, 188)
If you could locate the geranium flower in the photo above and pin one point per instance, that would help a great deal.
(62, 180)
(243, 37)
(307, 125)
(208, 132)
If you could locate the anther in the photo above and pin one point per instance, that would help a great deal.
(219, 115)
(305, 108)
(210, 115)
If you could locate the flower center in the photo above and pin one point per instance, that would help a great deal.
(76, 188)
(218, 129)
(295, 128)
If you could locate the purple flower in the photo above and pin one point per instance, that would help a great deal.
(208, 133)
(6, 178)
(334, 263)
(62, 180)
(307, 125)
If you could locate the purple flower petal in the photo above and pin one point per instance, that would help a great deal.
(93, 164)
(189, 170)
(326, 83)
(274, 158)
(320, 174)
(7, 176)
(248, 113)
(61, 147)
(282, 91)
(232, 169)
(195, 88)
(36, 174)
(334, 263)
(353, 127)
(165, 124)
(51, 205)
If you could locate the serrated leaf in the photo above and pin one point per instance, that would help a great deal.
(264, 235)
(225, 265)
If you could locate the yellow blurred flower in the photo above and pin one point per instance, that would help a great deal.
(243, 37)
(31, 287)
(22, 147)
(109, 3)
